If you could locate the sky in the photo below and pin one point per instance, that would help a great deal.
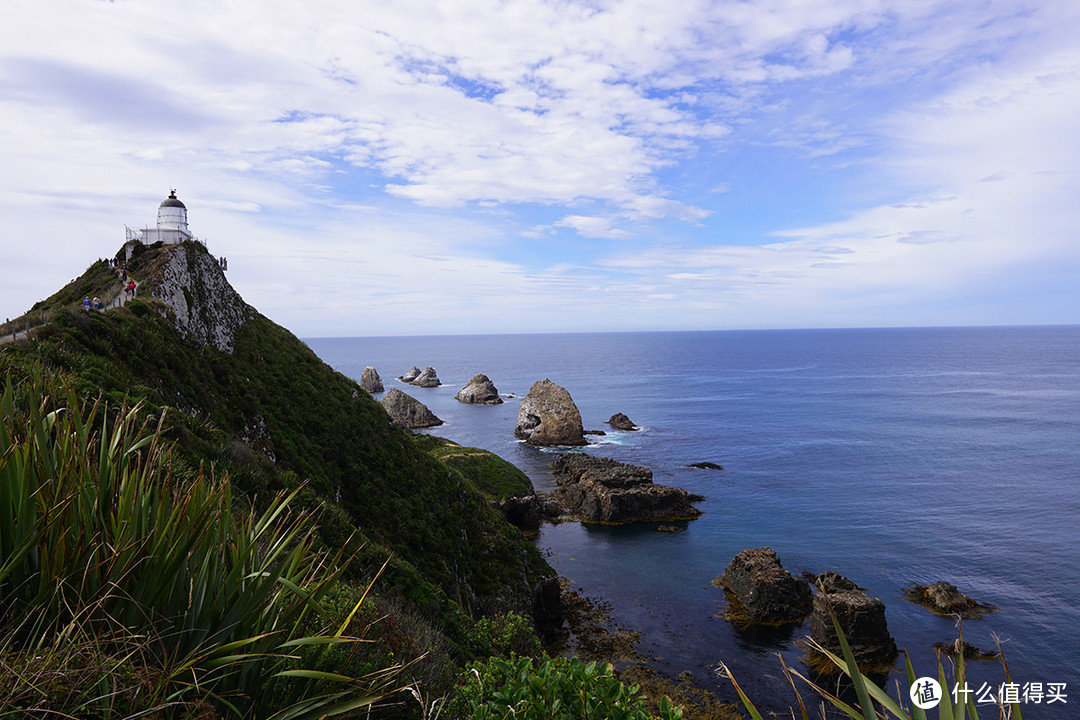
(427, 167)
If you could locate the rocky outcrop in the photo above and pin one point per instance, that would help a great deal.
(831, 581)
(945, 599)
(523, 512)
(370, 380)
(762, 591)
(203, 305)
(479, 390)
(862, 620)
(599, 489)
(426, 379)
(621, 422)
(407, 411)
(706, 465)
(412, 374)
(548, 416)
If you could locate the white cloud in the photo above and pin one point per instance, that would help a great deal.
(394, 155)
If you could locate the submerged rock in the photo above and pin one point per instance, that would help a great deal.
(705, 466)
(621, 422)
(479, 390)
(970, 651)
(945, 599)
(548, 416)
(412, 374)
(370, 380)
(407, 411)
(764, 590)
(600, 489)
(426, 379)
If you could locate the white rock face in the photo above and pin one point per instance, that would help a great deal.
(206, 308)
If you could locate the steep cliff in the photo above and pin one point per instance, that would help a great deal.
(250, 398)
(189, 282)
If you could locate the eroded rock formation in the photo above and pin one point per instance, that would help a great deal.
(619, 421)
(479, 390)
(862, 620)
(763, 591)
(945, 599)
(370, 380)
(407, 411)
(426, 379)
(548, 416)
(600, 489)
(204, 306)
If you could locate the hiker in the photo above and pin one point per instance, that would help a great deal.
(86, 304)
(131, 288)
(97, 303)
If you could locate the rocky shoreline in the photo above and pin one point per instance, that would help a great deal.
(757, 590)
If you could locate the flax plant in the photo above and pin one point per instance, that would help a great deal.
(872, 701)
(137, 582)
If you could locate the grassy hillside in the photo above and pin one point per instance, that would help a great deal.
(270, 416)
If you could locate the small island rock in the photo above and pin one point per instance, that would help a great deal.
(764, 589)
(407, 411)
(945, 599)
(414, 372)
(370, 380)
(706, 465)
(621, 422)
(598, 489)
(426, 379)
(548, 416)
(862, 620)
(479, 390)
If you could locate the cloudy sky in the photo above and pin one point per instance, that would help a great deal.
(473, 166)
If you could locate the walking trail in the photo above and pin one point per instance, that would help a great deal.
(118, 300)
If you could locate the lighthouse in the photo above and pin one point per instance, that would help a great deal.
(172, 225)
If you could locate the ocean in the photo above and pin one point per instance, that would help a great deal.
(893, 456)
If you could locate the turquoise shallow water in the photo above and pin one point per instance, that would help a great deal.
(892, 456)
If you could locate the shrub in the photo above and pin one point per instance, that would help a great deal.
(552, 689)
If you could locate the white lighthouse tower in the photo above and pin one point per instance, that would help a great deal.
(172, 226)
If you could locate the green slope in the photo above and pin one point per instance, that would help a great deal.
(272, 415)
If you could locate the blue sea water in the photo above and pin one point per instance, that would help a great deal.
(893, 456)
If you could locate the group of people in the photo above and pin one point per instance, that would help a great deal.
(223, 262)
(119, 266)
(87, 303)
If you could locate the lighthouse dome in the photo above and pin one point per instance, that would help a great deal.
(172, 202)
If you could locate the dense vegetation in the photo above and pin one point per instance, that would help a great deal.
(271, 415)
(187, 532)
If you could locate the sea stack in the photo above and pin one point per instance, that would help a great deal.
(407, 411)
(426, 379)
(479, 390)
(370, 380)
(762, 588)
(414, 372)
(619, 421)
(549, 417)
